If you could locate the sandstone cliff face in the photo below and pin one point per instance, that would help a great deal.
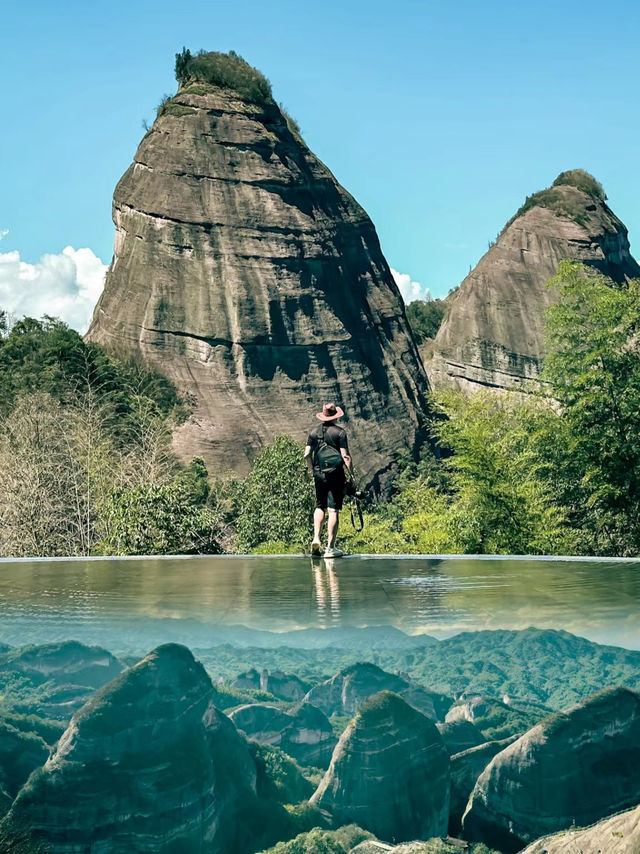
(475, 709)
(306, 733)
(492, 334)
(244, 272)
(389, 773)
(283, 686)
(496, 719)
(147, 765)
(62, 675)
(571, 769)
(460, 735)
(433, 846)
(619, 834)
(20, 754)
(344, 693)
(64, 663)
(466, 767)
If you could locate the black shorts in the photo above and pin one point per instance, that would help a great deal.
(330, 489)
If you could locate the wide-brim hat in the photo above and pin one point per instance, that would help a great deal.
(329, 412)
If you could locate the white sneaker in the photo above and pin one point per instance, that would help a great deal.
(316, 548)
(333, 552)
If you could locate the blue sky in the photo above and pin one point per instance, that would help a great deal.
(439, 117)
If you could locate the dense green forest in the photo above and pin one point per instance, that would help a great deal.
(425, 317)
(85, 458)
(87, 468)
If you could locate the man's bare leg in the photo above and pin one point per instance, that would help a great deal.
(332, 526)
(318, 519)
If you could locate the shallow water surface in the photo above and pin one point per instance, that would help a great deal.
(136, 603)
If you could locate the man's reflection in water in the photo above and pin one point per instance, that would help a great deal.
(327, 587)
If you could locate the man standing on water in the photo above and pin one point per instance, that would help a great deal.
(327, 454)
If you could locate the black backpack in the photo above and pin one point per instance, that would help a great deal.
(328, 458)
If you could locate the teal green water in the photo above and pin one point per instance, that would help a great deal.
(136, 603)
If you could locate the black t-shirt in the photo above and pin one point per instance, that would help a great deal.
(334, 436)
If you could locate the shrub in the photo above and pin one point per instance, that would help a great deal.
(156, 518)
(292, 124)
(171, 109)
(47, 356)
(581, 180)
(280, 778)
(227, 70)
(278, 547)
(554, 199)
(276, 499)
(314, 842)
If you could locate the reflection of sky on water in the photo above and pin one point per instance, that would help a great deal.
(195, 600)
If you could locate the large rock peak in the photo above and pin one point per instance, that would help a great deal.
(572, 769)
(389, 773)
(250, 277)
(492, 334)
(148, 764)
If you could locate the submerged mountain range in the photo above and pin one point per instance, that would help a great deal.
(166, 755)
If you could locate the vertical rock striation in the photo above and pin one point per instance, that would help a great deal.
(147, 765)
(389, 773)
(244, 272)
(492, 334)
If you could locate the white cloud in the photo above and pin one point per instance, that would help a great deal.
(66, 285)
(409, 289)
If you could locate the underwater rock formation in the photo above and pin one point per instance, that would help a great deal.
(345, 692)
(148, 764)
(571, 769)
(389, 773)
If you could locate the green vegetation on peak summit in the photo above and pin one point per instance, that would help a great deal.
(386, 705)
(318, 841)
(225, 70)
(562, 199)
(583, 181)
